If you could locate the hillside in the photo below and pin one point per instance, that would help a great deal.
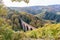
(49, 16)
(28, 18)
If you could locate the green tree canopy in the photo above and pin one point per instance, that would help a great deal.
(26, 1)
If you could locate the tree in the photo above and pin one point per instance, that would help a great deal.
(3, 10)
(26, 1)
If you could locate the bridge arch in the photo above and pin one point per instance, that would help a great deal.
(31, 29)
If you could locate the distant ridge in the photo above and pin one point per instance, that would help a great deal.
(37, 9)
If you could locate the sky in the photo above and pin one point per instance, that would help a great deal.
(31, 3)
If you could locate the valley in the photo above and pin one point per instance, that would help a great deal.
(35, 22)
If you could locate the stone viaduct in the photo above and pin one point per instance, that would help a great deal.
(25, 26)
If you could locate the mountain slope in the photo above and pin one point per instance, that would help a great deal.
(49, 16)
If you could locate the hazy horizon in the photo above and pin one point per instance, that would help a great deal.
(8, 3)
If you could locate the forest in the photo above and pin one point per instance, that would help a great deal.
(47, 28)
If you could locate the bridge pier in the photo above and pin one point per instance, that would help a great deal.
(25, 28)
